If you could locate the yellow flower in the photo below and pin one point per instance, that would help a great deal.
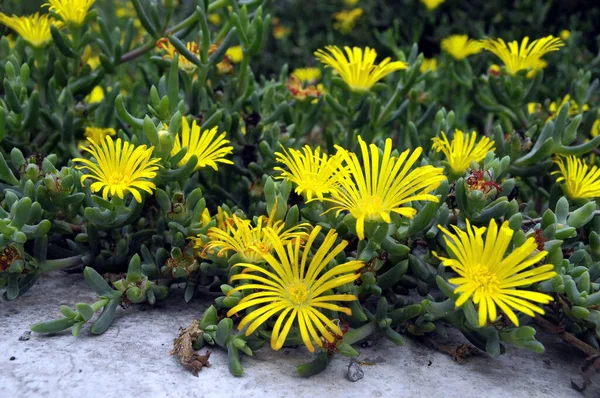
(34, 29)
(252, 242)
(96, 95)
(371, 189)
(534, 107)
(565, 34)
(494, 70)
(351, 2)
(183, 62)
(346, 19)
(428, 64)
(120, 167)
(312, 172)
(432, 4)
(89, 59)
(491, 278)
(235, 54)
(71, 12)
(214, 18)
(295, 290)
(595, 128)
(554, 108)
(281, 31)
(460, 46)
(462, 150)
(526, 56)
(357, 67)
(307, 75)
(579, 180)
(98, 134)
(294, 85)
(205, 146)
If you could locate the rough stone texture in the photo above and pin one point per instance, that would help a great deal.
(132, 359)
(355, 372)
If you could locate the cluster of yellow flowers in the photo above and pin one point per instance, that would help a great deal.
(516, 57)
(35, 29)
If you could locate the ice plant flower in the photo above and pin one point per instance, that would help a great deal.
(300, 92)
(460, 46)
(432, 4)
(346, 19)
(428, 64)
(214, 18)
(183, 62)
(381, 184)
(524, 56)
(295, 289)
(235, 54)
(98, 134)
(96, 95)
(281, 31)
(565, 34)
(579, 180)
(119, 168)
(357, 66)
(72, 12)
(251, 242)
(209, 148)
(34, 29)
(307, 75)
(574, 109)
(490, 277)
(462, 150)
(314, 173)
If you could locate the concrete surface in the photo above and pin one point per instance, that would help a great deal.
(132, 360)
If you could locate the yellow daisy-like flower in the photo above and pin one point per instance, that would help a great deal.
(534, 107)
(346, 19)
(34, 29)
(251, 242)
(372, 189)
(295, 289)
(209, 148)
(119, 168)
(485, 274)
(72, 12)
(526, 56)
(235, 54)
(460, 46)
(98, 134)
(565, 34)
(462, 150)
(307, 75)
(595, 128)
(96, 95)
(170, 51)
(314, 174)
(428, 64)
(574, 109)
(432, 4)
(214, 18)
(579, 180)
(281, 31)
(357, 66)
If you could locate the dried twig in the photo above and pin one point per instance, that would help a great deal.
(566, 336)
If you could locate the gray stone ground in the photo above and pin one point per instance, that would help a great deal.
(132, 359)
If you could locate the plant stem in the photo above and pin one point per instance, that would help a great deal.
(61, 263)
(537, 220)
(566, 336)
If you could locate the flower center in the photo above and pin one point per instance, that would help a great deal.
(116, 178)
(485, 280)
(297, 293)
(370, 207)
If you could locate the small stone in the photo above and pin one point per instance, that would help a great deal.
(355, 372)
(25, 336)
(13, 358)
